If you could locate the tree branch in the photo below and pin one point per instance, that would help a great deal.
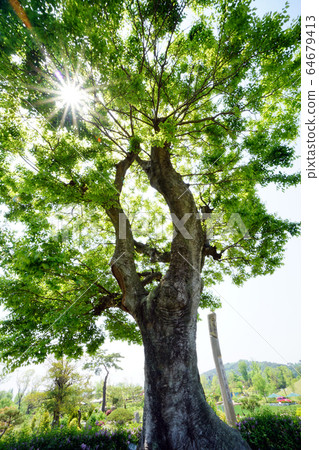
(154, 254)
(122, 263)
(186, 248)
(208, 250)
(111, 300)
(151, 277)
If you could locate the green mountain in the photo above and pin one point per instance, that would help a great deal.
(294, 367)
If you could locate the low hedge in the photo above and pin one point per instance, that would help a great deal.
(269, 431)
(73, 439)
(264, 431)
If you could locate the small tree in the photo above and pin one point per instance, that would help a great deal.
(62, 378)
(102, 361)
(6, 399)
(260, 385)
(33, 400)
(287, 375)
(44, 424)
(235, 382)
(124, 394)
(9, 417)
(243, 369)
(23, 382)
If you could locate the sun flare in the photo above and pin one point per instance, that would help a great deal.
(68, 96)
(71, 95)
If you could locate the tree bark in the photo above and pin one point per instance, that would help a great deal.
(104, 393)
(176, 414)
(56, 417)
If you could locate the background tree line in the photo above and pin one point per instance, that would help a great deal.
(65, 396)
(253, 378)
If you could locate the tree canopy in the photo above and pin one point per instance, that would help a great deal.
(127, 129)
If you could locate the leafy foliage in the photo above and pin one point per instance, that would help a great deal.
(269, 431)
(70, 439)
(245, 369)
(64, 388)
(250, 403)
(220, 98)
(101, 361)
(5, 399)
(9, 417)
(123, 395)
(120, 416)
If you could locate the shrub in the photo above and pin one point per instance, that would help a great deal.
(120, 416)
(250, 403)
(45, 422)
(64, 422)
(271, 431)
(70, 439)
(73, 423)
(221, 415)
(95, 417)
(133, 427)
(9, 418)
(33, 423)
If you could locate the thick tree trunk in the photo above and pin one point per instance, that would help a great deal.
(176, 415)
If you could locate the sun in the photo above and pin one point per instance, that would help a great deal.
(68, 95)
(71, 95)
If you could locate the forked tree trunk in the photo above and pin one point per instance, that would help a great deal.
(176, 414)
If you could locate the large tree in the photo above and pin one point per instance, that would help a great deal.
(146, 128)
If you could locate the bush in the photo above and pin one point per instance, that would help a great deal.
(271, 431)
(96, 417)
(33, 423)
(134, 427)
(9, 418)
(120, 416)
(250, 403)
(221, 415)
(72, 439)
(73, 423)
(45, 422)
(64, 422)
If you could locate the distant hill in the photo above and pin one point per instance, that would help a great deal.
(234, 366)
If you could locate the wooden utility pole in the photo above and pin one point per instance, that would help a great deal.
(228, 404)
